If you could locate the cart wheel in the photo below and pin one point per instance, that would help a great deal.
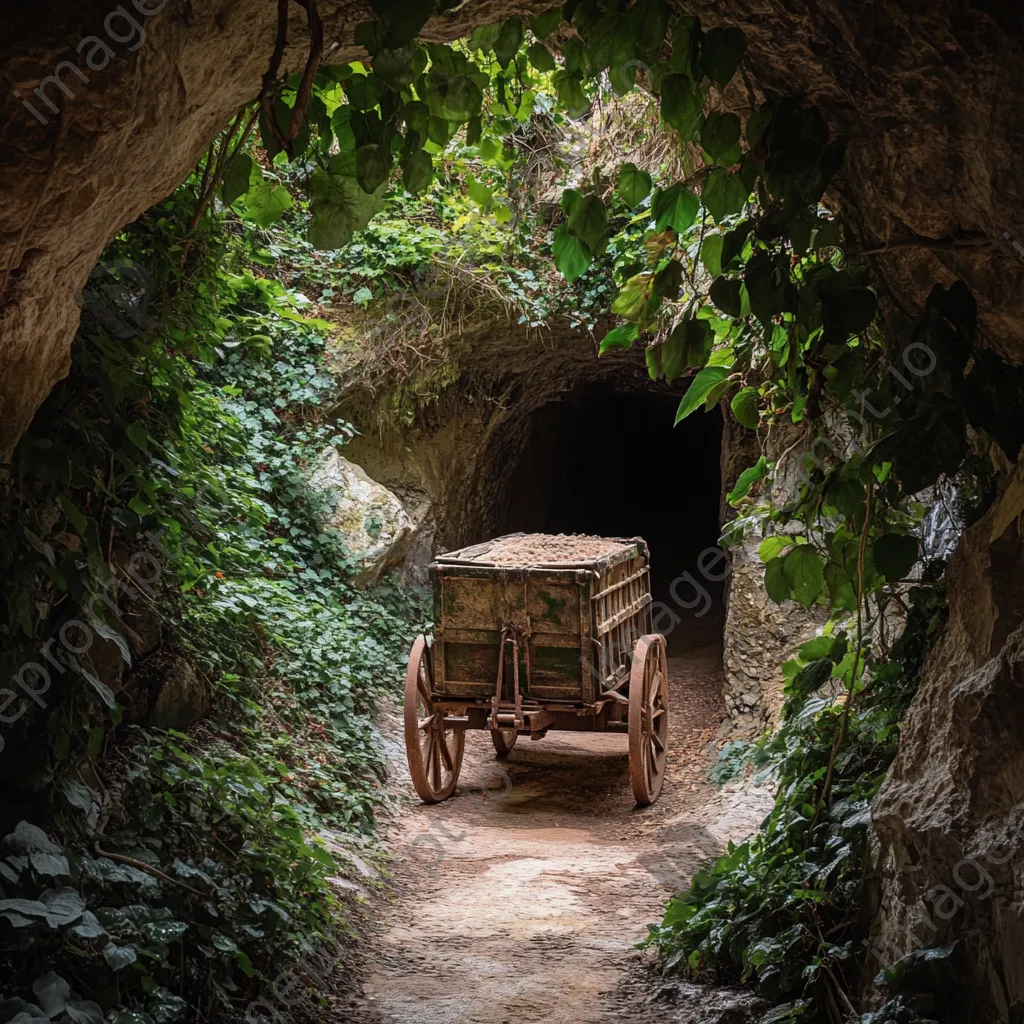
(504, 740)
(434, 752)
(648, 718)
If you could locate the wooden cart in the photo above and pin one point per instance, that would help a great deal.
(525, 642)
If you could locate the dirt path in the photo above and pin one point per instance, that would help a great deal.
(521, 898)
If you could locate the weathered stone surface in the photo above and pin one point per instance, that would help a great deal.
(375, 526)
(947, 821)
(701, 1004)
(178, 698)
(759, 635)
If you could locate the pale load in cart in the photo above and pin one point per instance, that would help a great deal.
(536, 632)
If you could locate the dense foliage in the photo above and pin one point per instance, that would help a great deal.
(160, 500)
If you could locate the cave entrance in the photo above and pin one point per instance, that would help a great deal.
(608, 462)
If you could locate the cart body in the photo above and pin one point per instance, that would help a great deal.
(536, 632)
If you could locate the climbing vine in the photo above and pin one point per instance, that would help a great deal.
(162, 548)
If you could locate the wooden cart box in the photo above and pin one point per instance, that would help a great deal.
(535, 632)
(579, 620)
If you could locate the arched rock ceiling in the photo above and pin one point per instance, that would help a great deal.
(929, 94)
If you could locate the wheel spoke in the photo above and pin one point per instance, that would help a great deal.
(435, 761)
(658, 745)
(445, 752)
(653, 759)
(425, 722)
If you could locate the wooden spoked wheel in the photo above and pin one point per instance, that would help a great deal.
(504, 740)
(648, 718)
(434, 751)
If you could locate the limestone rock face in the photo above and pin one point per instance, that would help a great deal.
(179, 699)
(947, 821)
(759, 636)
(377, 530)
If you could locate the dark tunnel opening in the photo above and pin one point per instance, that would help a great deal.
(606, 462)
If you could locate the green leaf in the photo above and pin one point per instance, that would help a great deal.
(622, 336)
(236, 178)
(634, 185)
(745, 407)
(510, 38)
(572, 257)
(542, 25)
(265, 202)
(373, 165)
(804, 571)
(725, 294)
(462, 99)
(636, 298)
(363, 92)
(540, 57)
(569, 90)
(675, 207)
(772, 547)
(95, 741)
(589, 221)
(119, 957)
(699, 389)
(711, 254)
(403, 19)
(394, 67)
(417, 171)
(722, 50)
(775, 582)
(338, 206)
(686, 36)
(689, 345)
(74, 515)
(139, 507)
(895, 555)
(750, 476)
(682, 102)
(720, 138)
(718, 392)
(723, 194)
(669, 280)
(341, 126)
(478, 192)
(570, 201)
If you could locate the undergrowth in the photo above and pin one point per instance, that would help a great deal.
(158, 525)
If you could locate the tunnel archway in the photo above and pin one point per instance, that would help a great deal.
(599, 459)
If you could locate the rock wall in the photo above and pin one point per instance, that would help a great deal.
(759, 635)
(947, 822)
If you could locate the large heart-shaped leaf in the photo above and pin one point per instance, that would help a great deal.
(699, 389)
(722, 50)
(338, 207)
(572, 256)
(634, 185)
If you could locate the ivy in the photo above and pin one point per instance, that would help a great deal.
(197, 402)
